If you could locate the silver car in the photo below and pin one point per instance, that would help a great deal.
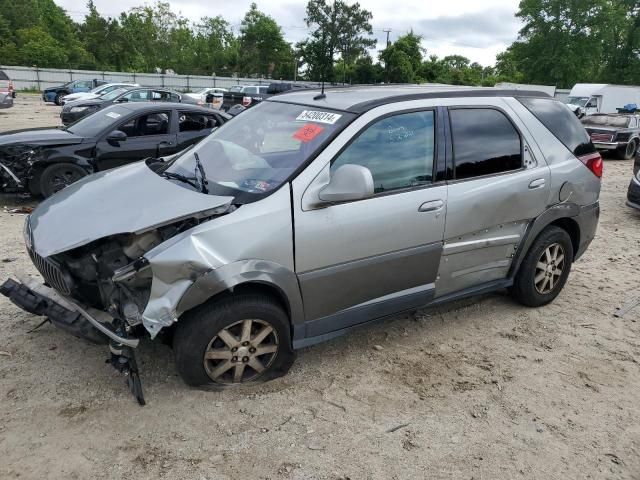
(311, 214)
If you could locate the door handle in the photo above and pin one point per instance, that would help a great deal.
(431, 206)
(537, 183)
(165, 143)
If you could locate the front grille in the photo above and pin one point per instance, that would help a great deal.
(51, 272)
(601, 137)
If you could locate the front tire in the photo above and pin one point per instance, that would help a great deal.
(57, 100)
(58, 176)
(240, 339)
(545, 268)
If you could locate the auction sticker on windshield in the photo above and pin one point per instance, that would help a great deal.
(320, 117)
(308, 132)
(113, 115)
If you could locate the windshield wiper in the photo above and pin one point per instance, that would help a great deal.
(203, 176)
(181, 178)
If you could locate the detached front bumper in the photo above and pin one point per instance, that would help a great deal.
(43, 301)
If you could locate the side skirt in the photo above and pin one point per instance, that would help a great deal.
(332, 326)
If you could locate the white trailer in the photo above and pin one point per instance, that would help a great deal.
(590, 98)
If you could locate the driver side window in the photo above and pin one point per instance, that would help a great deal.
(398, 150)
(150, 124)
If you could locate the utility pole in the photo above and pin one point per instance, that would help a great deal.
(387, 31)
(386, 66)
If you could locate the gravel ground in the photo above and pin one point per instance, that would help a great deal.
(483, 389)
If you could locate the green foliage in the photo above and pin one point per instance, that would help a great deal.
(338, 29)
(564, 42)
(263, 51)
(403, 59)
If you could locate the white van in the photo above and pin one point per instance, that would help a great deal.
(590, 98)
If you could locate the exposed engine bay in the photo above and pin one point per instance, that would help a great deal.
(15, 166)
(112, 275)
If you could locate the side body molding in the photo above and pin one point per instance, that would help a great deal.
(242, 272)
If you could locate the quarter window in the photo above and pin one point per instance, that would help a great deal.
(485, 142)
(398, 151)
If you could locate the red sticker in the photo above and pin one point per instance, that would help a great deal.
(308, 132)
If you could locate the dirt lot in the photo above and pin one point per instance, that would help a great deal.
(486, 389)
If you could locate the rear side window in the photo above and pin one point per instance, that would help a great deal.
(485, 142)
(562, 122)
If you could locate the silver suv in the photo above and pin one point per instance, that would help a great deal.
(312, 214)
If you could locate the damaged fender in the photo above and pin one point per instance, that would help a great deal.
(195, 265)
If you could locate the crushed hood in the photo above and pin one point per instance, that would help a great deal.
(39, 136)
(129, 199)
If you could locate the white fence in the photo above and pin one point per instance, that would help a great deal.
(41, 78)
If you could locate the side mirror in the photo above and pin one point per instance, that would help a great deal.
(348, 182)
(116, 136)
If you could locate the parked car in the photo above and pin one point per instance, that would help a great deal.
(242, 95)
(45, 160)
(590, 98)
(72, 112)
(7, 92)
(96, 92)
(201, 95)
(55, 94)
(633, 192)
(619, 133)
(308, 216)
(249, 95)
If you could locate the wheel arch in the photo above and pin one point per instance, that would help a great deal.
(561, 215)
(247, 276)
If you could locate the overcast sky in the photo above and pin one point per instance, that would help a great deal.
(476, 29)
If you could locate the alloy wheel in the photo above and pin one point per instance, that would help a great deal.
(549, 268)
(241, 352)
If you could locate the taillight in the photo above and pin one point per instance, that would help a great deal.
(246, 101)
(593, 161)
(11, 86)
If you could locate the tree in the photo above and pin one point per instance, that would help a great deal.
(263, 50)
(403, 59)
(337, 29)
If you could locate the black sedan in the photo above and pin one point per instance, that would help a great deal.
(45, 160)
(74, 111)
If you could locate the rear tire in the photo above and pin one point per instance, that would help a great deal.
(545, 268)
(220, 342)
(629, 151)
(58, 176)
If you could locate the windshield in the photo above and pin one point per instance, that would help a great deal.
(236, 88)
(580, 101)
(608, 120)
(113, 94)
(251, 157)
(92, 125)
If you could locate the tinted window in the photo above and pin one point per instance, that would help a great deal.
(562, 122)
(397, 150)
(150, 124)
(3, 76)
(251, 90)
(485, 142)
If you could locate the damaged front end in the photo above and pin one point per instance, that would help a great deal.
(97, 279)
(16, 162)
